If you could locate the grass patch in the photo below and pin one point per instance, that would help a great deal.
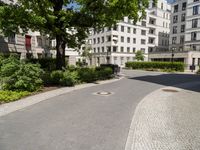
(9, 96)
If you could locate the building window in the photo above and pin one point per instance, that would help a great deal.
(151, 31)
(175, 8)
(134, 40)
(98, 40)
(143, 50)
(195, 10)
(174, 29)
(98, 49)
(128, 39)
(122, 49)
(94, 41)
(198, 61)
(143, 32)
(109, 29)
(184, 6)
(134, 30)
(196, 0)
(133, 49)
(183, 17)
(175, 19)
(173, 40)
(161, 5)
(128, 49)
(115, 27)
(182, 39)
(102, 49)
(151, 40)
(182, 28)
(194, 23)
(143, 41)
(94, 50)
(114, 48)
(129, 30)
(28, 42)
(39, 41)
(193, 36)
(152, 21)
(102, 39)
(108, 48)
(144, 23)
(108, 38)
(194, 48)
(122, 39)
(122, 28)
(11, 38)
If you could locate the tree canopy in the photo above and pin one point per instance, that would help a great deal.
(139, 56)
(67, 21)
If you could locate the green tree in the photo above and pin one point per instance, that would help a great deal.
(86, 54)
(139, 56)
(68, 21)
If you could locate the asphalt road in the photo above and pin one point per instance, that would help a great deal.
(81, 120)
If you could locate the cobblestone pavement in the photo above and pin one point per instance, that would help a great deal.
(167, 120)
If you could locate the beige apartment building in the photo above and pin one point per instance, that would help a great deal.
(184, 35)
(32, 44)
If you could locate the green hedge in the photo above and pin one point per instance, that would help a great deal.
(77, 76)
(176, 66)
(47, 64)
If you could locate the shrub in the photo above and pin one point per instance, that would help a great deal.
(69, 78)
(56, 76)
(198, 72)
(47, 64)
(16, 75)
(9, 96)
(87, 75)
(71, 68)
(176, 66)
(104, 73)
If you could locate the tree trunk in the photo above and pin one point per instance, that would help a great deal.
(60, 53)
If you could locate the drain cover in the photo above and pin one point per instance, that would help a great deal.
(170, 90)
(103, 93)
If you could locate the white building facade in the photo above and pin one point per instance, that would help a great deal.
(184, 35)
(117, 45)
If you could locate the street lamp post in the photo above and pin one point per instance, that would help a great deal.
(172, 59)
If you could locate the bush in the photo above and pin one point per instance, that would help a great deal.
(56, 76)
(104, 73)
(71, 68)
(47, 64)
(70, 78)
(87, 75)
(16, 75)
(198, 72)
(9, 96)
(176, 66)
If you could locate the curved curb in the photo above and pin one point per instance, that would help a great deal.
(140, 139)
(31, 100)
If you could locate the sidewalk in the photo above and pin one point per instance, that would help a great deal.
(167, 119)
(31, 100)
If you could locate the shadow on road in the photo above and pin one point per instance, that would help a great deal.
(174, 80)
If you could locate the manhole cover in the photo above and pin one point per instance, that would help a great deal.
(170, 90)
(103, 93)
